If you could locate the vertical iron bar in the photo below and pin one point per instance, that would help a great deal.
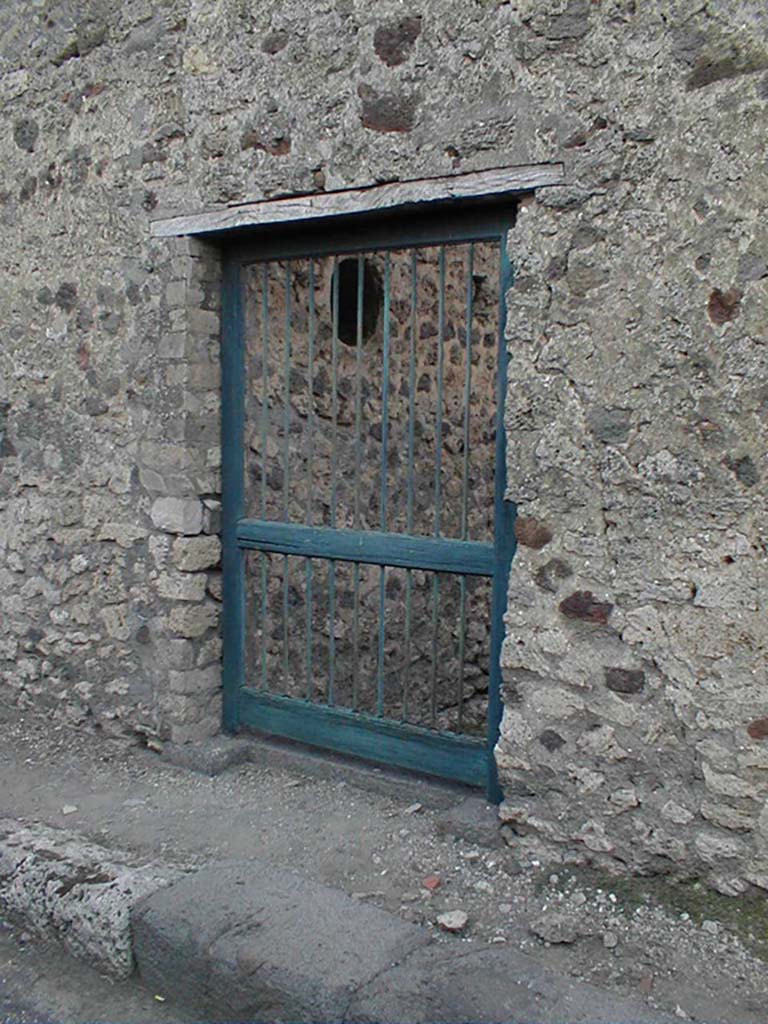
(264, 433)
(358, 481)
(285, 622)
(286, 389)
(467, 391)
(465, 479)
(410, 484)
(310, 390)
(310, 465)
(384, 473)
(385, 391)
(359, 387)
(356, 635)
(286, 457)
(438, 477)
(334, 393)
(411, 394)
(439, 419)
(264, 581)
(264, 383)
(462, 647)
(334, 470)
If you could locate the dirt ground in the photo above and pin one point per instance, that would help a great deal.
(683, 949)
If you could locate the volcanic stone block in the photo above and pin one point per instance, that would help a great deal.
(249, 942)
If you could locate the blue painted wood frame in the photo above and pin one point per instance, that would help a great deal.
(233, 490)
(443, 224)
(459, 758)
(450, 756)
(503, 526)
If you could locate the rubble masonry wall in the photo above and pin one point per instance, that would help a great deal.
(636, 708)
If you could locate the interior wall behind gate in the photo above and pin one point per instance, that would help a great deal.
(636, 716)
(315, 455)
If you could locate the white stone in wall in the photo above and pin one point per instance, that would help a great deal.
(602, 743)
(176, 653)
(182, 586)
(661, 844)
(124, 534)
(196, 681)
(592, 834)
(726, 784)
(587, 781)
(210, 650)
(676, 813)
(716, 847)
(762, 829)
(195, 732)
(623, 800)
(728, 817)
(178, 515)
(193, 620)
(191, 554)
(116, 621)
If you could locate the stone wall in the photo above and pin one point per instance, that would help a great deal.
(108, 385)
(635, 660)
(635, 724)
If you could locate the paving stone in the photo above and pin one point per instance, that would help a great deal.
(489, 984)
(209, 757)
(68, 888)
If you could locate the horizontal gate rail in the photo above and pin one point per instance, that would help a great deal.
(450, 756)
(369, 547)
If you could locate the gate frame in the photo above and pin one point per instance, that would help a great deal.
(452, 756)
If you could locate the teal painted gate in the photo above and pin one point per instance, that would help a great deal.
(367, 542)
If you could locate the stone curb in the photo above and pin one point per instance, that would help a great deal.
(250, 942)
(247, 941)
(65, 887)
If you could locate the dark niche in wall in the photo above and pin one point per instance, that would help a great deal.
(348, 294)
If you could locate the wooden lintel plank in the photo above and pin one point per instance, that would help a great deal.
(473, 185)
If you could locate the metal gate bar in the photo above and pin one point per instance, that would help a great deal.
(465, 476)
(358, 474)
(286, 451)
(409, 477)
(310, 461)
(384, 473)
(264, 433)
(334, 419)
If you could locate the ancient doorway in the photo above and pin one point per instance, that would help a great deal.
(368, 539)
